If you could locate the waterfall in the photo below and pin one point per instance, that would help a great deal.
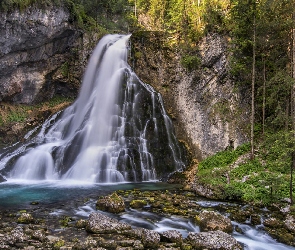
(117, 130)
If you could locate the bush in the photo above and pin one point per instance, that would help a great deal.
(191, 62)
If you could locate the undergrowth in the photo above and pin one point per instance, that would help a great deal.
(262, 180)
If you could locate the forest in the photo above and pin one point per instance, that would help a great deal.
(261, 35)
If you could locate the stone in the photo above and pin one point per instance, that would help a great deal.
(150, 239)
(213, 221)
(290, 223)
(213, 240)
(272, 223)
(138, 203)
(25, 218)
(112, 203)
(172, 236)
(101, 224)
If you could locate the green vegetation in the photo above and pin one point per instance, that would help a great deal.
(103, 15)
(19, 113)
(262, 180)
(191, 62)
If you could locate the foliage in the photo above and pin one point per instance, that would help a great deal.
(223, 158)
(263, 180)
(19, 113)
(190, 62)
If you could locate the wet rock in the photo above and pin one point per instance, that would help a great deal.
(212, 221)
(272, 223)
(171, 236)
(2, 179)
(138, 203)
(81, 223)
(213, 240)
(99, 224)
(240, 215)
(25, 218)
(150, 238)
(112, 203)
(39, 235)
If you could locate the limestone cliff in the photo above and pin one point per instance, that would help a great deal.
(38, 49)
(209, 112)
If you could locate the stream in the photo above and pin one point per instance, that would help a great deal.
(78, 200)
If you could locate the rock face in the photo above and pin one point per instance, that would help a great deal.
(37, 51)
(209, 113)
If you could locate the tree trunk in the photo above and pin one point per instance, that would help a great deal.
(263, 104)
(253, 87)
(292, 101)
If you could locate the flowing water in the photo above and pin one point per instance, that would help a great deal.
(116, 131)
(68, 199)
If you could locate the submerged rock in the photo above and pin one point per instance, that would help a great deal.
(112, 203)
(101, 224)
(212, 221)
(213, 240)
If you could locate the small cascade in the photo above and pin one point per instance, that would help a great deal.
(116, 131)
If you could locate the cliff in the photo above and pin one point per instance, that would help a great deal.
(209, 113)
(38, 50)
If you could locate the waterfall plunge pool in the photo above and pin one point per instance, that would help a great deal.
(77, 200)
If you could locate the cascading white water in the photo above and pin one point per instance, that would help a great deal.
(113, 132)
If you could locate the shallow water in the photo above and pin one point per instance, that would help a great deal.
(60, 195)
(20, 193)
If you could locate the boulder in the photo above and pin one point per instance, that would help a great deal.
(101, 224)
(171, 236)
(215, 240)
(212, 221)
(150, 239)
(25, 218)
(290, 223)
(112, 203)
(272, 223)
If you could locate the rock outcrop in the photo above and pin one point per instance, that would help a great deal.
(41, 54)
(209, 113)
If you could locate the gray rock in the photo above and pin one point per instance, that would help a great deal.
(213, 221)
(171, 236)
(2, 179)
(214, 240)
(99, 224)
(150, 238)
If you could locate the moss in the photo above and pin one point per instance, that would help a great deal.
(138, 203)
(58, 244)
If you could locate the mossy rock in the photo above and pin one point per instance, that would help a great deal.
(138, 203)
(25, 218)
(112, 203)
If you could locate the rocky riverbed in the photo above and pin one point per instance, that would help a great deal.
(124, 220)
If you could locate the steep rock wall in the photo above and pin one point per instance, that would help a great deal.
(209, 112)
(38, 49)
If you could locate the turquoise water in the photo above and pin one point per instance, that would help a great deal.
(21, 194)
